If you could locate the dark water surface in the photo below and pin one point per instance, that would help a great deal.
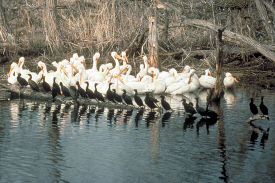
(46, 142)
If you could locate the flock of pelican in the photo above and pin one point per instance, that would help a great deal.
(73, 73)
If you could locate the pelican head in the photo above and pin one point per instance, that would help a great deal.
(64, 62)
(192, 72)
(173, 72)
(55, 64)
(109, 65)
(75, 56)
(207, 72)
(13, 66)
(124, 57)
(186, 69)
(41, 65)
(21, 61)
(230, 75)
(145, 59)
(116, 56)
(96, 56)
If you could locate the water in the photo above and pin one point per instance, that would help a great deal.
(45, 142)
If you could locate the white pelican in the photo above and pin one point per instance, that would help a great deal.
(48, 76)
(229, 80)
(192, 85)
(157, 85)
(143, 68)
(101, 76)
(12, 74)
(127, 77)
(140, 73)
(119, 85)
(173, 78)
(93, 70)
(185, 73)
(58, 73)
(125, 61)
(195, 84)
(182, 79)
(175, 86)
(133, 82)
(82, 74)
(66, 65)
(146, 79)
(207, 80)
(24, 72)
(115, 70)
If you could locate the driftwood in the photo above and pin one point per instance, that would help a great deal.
(256, 127)
(256, 117)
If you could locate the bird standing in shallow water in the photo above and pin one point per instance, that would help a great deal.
(150, 101)
(199, 109)
(164, 103)
(188, 107)
(55, 89)
(137, 99)
(263, 108)
(253, 107)
(211, 114)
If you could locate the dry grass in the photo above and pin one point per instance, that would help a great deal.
(110, 25)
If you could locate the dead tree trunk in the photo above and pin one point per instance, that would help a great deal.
(51, 26)
(153, 43)
(5, 34)
(219, 64)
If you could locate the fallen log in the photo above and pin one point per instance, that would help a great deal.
(256, 117)
(28, 93)
(264, 50)
(234, 36)
(256, 127)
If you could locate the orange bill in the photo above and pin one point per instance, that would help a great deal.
(125, 58)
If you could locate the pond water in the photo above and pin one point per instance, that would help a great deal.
(46, 142)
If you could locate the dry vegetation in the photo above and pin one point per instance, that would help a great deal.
(110, 25)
